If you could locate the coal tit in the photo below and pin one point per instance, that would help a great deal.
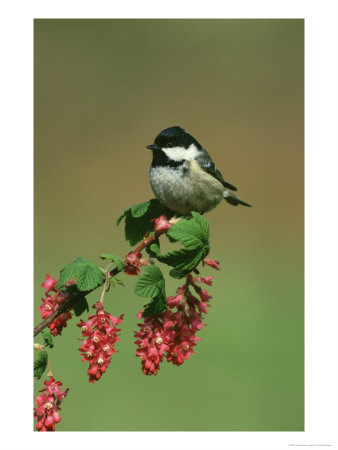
(183, 176)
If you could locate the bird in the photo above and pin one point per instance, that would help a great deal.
(183, 176)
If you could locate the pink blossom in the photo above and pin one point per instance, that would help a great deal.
(161, 223)
(49, 284)
(152, 341)
(206, 280)
(172, 334)
(211, 263)
(173, 302)
(53, 299)
(133, 261)
(48, 405)
(53, 386)
(101, 333)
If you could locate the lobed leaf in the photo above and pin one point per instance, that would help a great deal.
(193, 235)
(184, 259)
(47, 337)
(156, 306)
(152, 285)
(87, 276)
(137, 211)
(140, 209)
(151, 282)
(40, 364)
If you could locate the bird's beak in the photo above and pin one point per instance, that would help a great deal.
(153, 147)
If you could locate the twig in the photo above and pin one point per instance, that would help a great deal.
(104, 290)
(73, 298)
(69, 303)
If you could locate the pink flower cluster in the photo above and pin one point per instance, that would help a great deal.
(172, 334)
(54, 298)
(48, 405)
(101, 335)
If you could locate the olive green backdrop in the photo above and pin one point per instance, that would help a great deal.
(103, 90)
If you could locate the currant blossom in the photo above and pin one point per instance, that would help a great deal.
(153, 340)
(53, 299)
(134, 260)
(172, 334)
(211, 263)
(161, 223)
(99, 338)
(48, 405)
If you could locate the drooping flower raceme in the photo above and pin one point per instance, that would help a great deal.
(172, 334)
(153, 340)
(53, 299)
(99, 338)
(48, 405)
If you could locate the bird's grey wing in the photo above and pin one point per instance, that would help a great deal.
(208, 165)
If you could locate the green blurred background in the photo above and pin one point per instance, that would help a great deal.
(103, 90)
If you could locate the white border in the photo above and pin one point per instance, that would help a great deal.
(321, 220)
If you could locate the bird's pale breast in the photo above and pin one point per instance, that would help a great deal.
(184, 190)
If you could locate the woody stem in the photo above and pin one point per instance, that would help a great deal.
(72, 299)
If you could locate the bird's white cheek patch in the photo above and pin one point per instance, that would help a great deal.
(178, 153)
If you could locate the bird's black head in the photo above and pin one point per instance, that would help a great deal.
(173, 137)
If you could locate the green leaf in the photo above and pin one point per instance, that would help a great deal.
(87, 276)
(203, 225)
(80, 259)
(156, 306)
(178, 273)
(40, 364)
(136, 211)
(138, 219)
(184, 259)
(192, 233)
(151, 282)
(140, 209)
(118, 221)
(177, 258)
(66, 272)
(115, 259)
(135, 229)
(81, 305)
(47, 337)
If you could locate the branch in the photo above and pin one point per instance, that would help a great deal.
(72, 299)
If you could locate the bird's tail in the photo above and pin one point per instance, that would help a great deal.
(231, 198)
